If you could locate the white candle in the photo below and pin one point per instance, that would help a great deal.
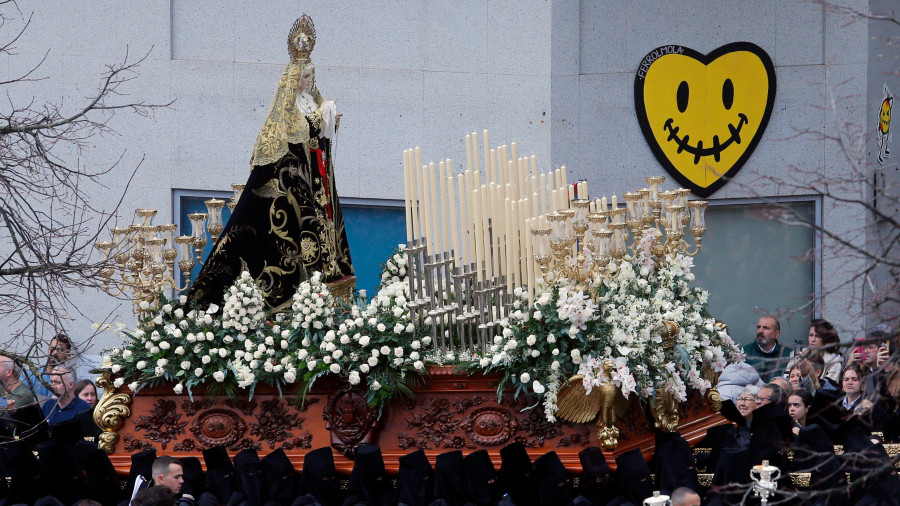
(543, 195)
(452, 211)
(535, 205)
(492, 163)
(529, 261)
(407, 194)
(615, 203)
(479, 248)
(424, 204)
(514, 151)
(554, 201)
(570, 195)
(475, 161)
(446, 245)
(508, 232)
(565, 177)
(465, 245)
(514, 247)
(498, 228)
(468, 152)
(486, 229)
(435, 209)
(603, 204)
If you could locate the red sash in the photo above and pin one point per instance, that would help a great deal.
(323, 171)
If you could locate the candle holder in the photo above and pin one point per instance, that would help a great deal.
(143, 259)
(238, 189)
(765, 480)
(198, 220)
(214, 225)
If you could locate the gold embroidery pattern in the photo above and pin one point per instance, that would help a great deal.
(309, 250)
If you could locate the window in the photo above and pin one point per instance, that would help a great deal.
(753, 265)
(191, 201)
(374, 229)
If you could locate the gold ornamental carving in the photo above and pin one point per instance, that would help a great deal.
(714, 398)
(665, 411)
(110, 411)
(576, 405)
(342, 289)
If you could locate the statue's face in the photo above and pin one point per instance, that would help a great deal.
(306, 79)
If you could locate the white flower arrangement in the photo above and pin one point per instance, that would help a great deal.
(567, 332)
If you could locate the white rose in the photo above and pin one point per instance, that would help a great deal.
(337, 354)
(354, 378)
(131, 386)
(126, 354)
(186, 365)
(179, 350)
(165, 345)
(385, 350)
(206, 359)
(364, 341)
(179, 313)
(178, 388)
(418, 364)
(144, 305)
(311, 365)
(334, 368)
(219, 376)
(375, 385)
(141, 364)
(398, 351)
(223, 352)
(162, 362)
(120, 381)
(372, 361)
(538, 387)
(525, 377)
(116, 368)
(531, 340)
(198, 372)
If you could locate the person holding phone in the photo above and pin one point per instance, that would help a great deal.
(822, 340)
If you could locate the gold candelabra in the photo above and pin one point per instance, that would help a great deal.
(144, 254)
(579, 243)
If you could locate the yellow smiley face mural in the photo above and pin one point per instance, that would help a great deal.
(703, 115)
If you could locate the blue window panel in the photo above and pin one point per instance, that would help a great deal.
(194, 204)
(373, 232)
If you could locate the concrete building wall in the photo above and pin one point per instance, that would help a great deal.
(554, 76)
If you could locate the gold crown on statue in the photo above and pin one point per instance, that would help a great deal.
(302, 39)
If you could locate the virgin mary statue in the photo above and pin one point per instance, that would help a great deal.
(288, 222)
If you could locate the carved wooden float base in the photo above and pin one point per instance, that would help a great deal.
(451, 411)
